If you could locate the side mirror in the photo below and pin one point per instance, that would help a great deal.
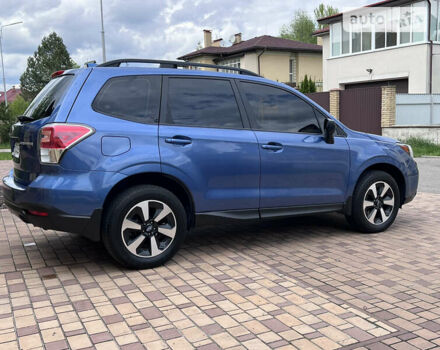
(329, 131)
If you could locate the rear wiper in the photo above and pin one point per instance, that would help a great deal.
(24, 118)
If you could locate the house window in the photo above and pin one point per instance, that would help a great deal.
(335, 33)
(234, 62)
(385, 28)
(435, 20)
(292, 70)
(345, 40)
(418, 21)
(392, 26)
(366, 37)
(379, 30)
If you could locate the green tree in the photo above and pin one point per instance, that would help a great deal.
(307, 85)
(300, 28)
(324, 11)
(312, 85)
(8, 116)
(5, 122)
(51, 55)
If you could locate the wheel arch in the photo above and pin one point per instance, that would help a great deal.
(158, 179)
(394, 171)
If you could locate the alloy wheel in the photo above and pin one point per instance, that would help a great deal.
(379, 202)
(148, 228)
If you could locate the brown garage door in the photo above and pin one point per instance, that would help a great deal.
(400, 84)
(360, 109)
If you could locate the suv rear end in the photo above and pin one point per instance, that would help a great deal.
(34, 189)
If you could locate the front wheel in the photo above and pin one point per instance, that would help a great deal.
(144, 226)
(376, 202)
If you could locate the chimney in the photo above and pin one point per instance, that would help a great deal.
(237, 38)
(207, 37)
(217, 42)
(13, 87)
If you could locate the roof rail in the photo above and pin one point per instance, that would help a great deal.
(174, 64)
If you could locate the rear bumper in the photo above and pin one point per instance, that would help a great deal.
(20, 200)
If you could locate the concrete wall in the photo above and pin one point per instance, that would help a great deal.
(204, 59)
(310, 64)
(405, 132)
(274, 65)
(250, 62)
(395, 63)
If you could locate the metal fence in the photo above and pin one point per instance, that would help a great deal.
(418, 109)
(321, 98)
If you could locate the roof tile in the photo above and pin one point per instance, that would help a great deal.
(259, 42)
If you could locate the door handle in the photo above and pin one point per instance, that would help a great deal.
(272, 146)
(179, 140)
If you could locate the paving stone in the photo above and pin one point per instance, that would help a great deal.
(304, 283)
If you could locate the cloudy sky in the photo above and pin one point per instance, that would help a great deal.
(163, 29)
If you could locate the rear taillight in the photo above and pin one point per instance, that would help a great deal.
(57, 73)
(55, 139)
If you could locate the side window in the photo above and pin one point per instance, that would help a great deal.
(132, 97)
(206, 103)
(275, 109)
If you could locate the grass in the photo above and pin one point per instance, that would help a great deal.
(5, 156)
(422, 147)
(5, 145)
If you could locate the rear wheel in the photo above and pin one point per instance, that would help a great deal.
(376, 201)
(144, 226)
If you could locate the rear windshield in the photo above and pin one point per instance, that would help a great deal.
(50, 98)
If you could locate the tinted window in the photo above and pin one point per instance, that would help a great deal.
(275, 109)
(134, 98)
(49, 99)
(202, 102)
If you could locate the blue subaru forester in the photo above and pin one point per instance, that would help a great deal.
(137, 156)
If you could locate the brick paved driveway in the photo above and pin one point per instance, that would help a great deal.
(305, 283)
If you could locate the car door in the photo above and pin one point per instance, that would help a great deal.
(205, 143)
(298, 168)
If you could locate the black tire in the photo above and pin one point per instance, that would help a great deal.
(117, 240)
(359, 218)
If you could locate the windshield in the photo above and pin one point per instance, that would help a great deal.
(50, 98)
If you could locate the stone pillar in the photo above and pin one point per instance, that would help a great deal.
(388, 110)
(334, 103)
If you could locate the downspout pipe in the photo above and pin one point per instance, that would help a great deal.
(258, 58)
(430, 46)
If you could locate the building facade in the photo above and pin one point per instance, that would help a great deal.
(392, 42)
(283, 60)
(11, 94)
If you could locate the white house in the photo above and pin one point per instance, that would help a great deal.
(390, 42)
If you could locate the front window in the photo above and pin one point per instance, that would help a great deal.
(278, 110)
(379, 28)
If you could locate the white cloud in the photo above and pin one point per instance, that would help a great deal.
(138, 28)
